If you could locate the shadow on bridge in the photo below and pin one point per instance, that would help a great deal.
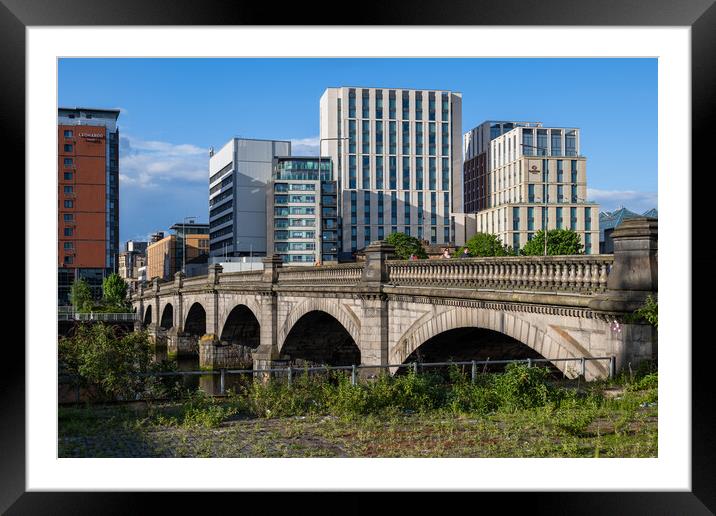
(319, 338)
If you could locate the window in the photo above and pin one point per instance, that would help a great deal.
(515, 219)
(420, 208)
(433, 235)
(69, 204)
(446, 106)
(406, 105)
(432, 172)
(391, 105)
(351, 171)
(354, 208)
(419, 105)
(556, 142)
(68, 147)
(351, 103)
(394, 209)
(527, 142)
(365, 104)
(446, 208)
(431, 105)
(68, 189)
(446, 173)
(560, 171)
(587, 219)
(406, 137)
(418, 138)
(515, 241)
(352, 136)
(406, 201)
(445, 134)
(380, 208)
(392, 137)
(418, 173)
(68, 133)
(68, 176)
(446, 234)
(530, 193)
(530, 218)
(366, 136)
(68, 232)
(379, 172)
(433, 208)
(431, 139)
(366, 172)
(379, 105)
(379, 138)
(68, 162)
(381, 233)
(68, 217)
(69, 259)
(573, 218)
(559, 218)
(392, 164)
(69, 245)
(587, 243)
(570, 143)
(366, 207)
(406, 173)
(574, 170)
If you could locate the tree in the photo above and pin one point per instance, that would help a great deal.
(114, 291)
(485, 244)
(559, 242)
(406, 245)
(107, 364)
(81, 296)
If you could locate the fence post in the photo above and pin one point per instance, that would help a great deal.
(473, 373)
(354, 375)
(290, 376)
(222, 379)
(529, 362)
(612, 366)
(584, 367)
(415, 367)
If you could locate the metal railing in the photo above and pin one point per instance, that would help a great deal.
(415, 366)
(97, 316)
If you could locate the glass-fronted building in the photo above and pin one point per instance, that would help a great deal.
(303, 220)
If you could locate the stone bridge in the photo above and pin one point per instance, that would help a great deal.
(385, 311)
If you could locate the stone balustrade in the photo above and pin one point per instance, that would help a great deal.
(344, 274)
(234, 278)
(581, 273)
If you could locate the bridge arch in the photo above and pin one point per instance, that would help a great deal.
(147, 316)
(167, 319)
(330, 306)
(241, 327)
(490, 323)
(195, 322)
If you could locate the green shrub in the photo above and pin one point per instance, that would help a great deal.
(109, 365)
(574, 420)
(522, 387)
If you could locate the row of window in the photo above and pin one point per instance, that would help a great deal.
(408, 180)
(393, 102)
(418, 144)
(367, 234)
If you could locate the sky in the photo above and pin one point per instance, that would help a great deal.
(173, 110)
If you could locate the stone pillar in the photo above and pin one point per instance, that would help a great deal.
(375, 269)
(633, 277)
(374, 322)
(267, 352)
(634, 273)
(211, 337)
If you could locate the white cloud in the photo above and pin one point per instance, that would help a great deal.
(305, 146)
(610, 200)
(148, 163)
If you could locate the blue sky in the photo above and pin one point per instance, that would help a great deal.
(173, 110)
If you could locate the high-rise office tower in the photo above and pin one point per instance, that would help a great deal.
(88, 197)
(238, 175)
(525, 177)
(400, 169)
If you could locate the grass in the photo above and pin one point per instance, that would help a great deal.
(521, 413)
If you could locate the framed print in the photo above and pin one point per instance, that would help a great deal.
(679, 37)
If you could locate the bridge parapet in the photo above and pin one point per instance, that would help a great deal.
(588, 273)
(343, 274)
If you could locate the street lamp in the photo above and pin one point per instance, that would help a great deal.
(183, 239)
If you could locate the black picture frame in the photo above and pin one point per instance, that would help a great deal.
(699, 15)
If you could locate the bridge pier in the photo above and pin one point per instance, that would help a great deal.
(267, 352)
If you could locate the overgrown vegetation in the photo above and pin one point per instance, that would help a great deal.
(521, 412)
(650, 311)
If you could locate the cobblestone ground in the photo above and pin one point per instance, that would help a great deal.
(235, 438)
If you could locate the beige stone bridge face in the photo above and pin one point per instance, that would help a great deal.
(387, 329)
